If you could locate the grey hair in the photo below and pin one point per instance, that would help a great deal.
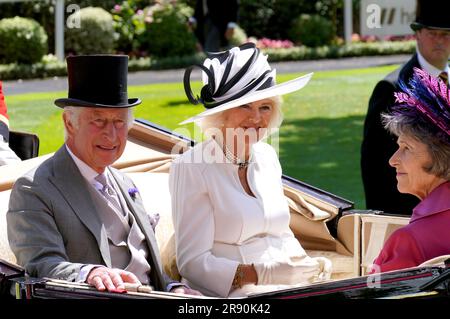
(73, 113)
(436, 141)
(212, 122)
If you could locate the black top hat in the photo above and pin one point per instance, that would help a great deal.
(97, 81)
(432, 14)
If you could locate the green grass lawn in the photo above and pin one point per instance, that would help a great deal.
(319, 139)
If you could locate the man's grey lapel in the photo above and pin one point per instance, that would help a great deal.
(138, 210)
(68, 179)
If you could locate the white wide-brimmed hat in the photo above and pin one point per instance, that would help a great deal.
(237, 77)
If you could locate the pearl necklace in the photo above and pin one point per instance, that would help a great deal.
(234, 159)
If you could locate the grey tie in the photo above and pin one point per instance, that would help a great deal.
(108, 192)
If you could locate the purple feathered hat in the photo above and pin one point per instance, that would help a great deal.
(427, 98)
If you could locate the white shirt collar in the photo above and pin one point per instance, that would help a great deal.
(431, 69)
(86, 171)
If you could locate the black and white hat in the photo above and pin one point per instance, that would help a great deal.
(236, 77)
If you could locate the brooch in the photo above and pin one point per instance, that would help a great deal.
(132, 192)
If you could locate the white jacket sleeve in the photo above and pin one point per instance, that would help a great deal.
(7, 155)
(194, 225)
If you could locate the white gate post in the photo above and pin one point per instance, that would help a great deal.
(348, 21)
(59, 30)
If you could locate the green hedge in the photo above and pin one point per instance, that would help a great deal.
(95, 34)
(22, 40)
(164, 63)
(335, 51)
(48, 67)
(51, 67)
(312, 30)
(167, 34)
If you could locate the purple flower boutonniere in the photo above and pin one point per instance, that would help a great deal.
(133, 191)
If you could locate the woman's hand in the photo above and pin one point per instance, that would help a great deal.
(326, 268)
(304, 270)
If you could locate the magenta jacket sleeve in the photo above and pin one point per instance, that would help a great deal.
(400, 251)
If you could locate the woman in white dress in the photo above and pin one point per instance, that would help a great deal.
(230, 215)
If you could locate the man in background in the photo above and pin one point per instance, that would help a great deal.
(214, 22)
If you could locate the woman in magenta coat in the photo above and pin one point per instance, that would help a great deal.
(421, 120)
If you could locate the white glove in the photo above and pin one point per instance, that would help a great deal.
(295, 271)
(325, 268)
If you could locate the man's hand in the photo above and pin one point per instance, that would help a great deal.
(185, 291)
(109, 279)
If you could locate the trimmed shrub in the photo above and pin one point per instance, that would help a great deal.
(166, 31)
(128, 24)
(272, 18)
(254, 16)
(285, 12)
(312, 30)
(334, 51)
(43, 11)
(49, 66)
(95, 35)
(177, 61)
(22, 40)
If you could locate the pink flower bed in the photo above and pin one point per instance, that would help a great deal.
(371, 38)
(266, 43)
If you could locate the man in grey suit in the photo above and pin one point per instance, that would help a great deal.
(76, 218)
